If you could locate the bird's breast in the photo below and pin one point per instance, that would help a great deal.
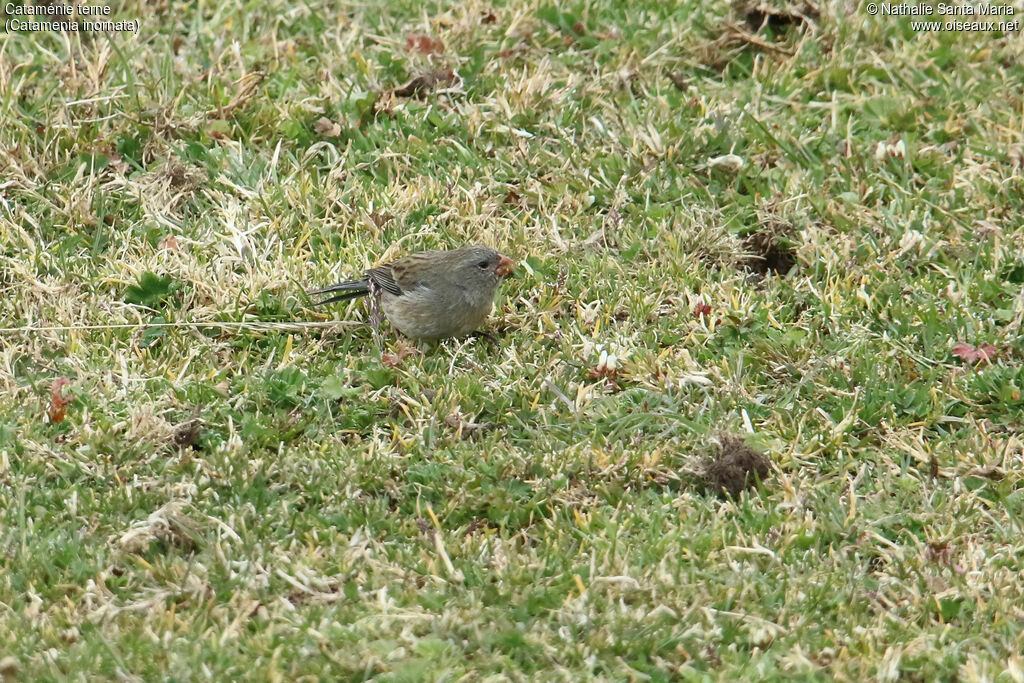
(426, 313)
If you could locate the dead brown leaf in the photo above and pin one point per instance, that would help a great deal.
(1017, 156)
(8, 669)
(169, 243)
(425, 45)
(56, 410)
(246, 88)
(118, 163)
(402, 351)
(324, 127)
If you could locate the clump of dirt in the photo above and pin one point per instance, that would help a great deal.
(736, 467)
(425, 83)
(769, 253)
(174, 184)
(171, 525)
(777, 16)
(751, 26)
(182, 178)
(771, 245)
(417, 87)
(186, 434)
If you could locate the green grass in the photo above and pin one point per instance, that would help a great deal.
(281, 502)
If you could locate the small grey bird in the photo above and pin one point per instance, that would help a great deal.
(432, 294)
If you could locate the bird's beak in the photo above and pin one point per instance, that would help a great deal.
(505, 267)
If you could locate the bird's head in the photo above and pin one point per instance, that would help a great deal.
(477, 263)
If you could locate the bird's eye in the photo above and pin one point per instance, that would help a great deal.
(483, 264)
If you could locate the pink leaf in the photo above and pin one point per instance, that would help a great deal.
(974, 354)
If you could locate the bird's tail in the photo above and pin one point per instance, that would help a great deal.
(352, 289)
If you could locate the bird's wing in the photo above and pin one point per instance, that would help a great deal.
(395, 278)
(421, 269)
(384, 278)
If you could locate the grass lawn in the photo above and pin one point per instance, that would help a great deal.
(802, 231)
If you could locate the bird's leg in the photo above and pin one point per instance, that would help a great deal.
(376, 314)
(489, 336)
